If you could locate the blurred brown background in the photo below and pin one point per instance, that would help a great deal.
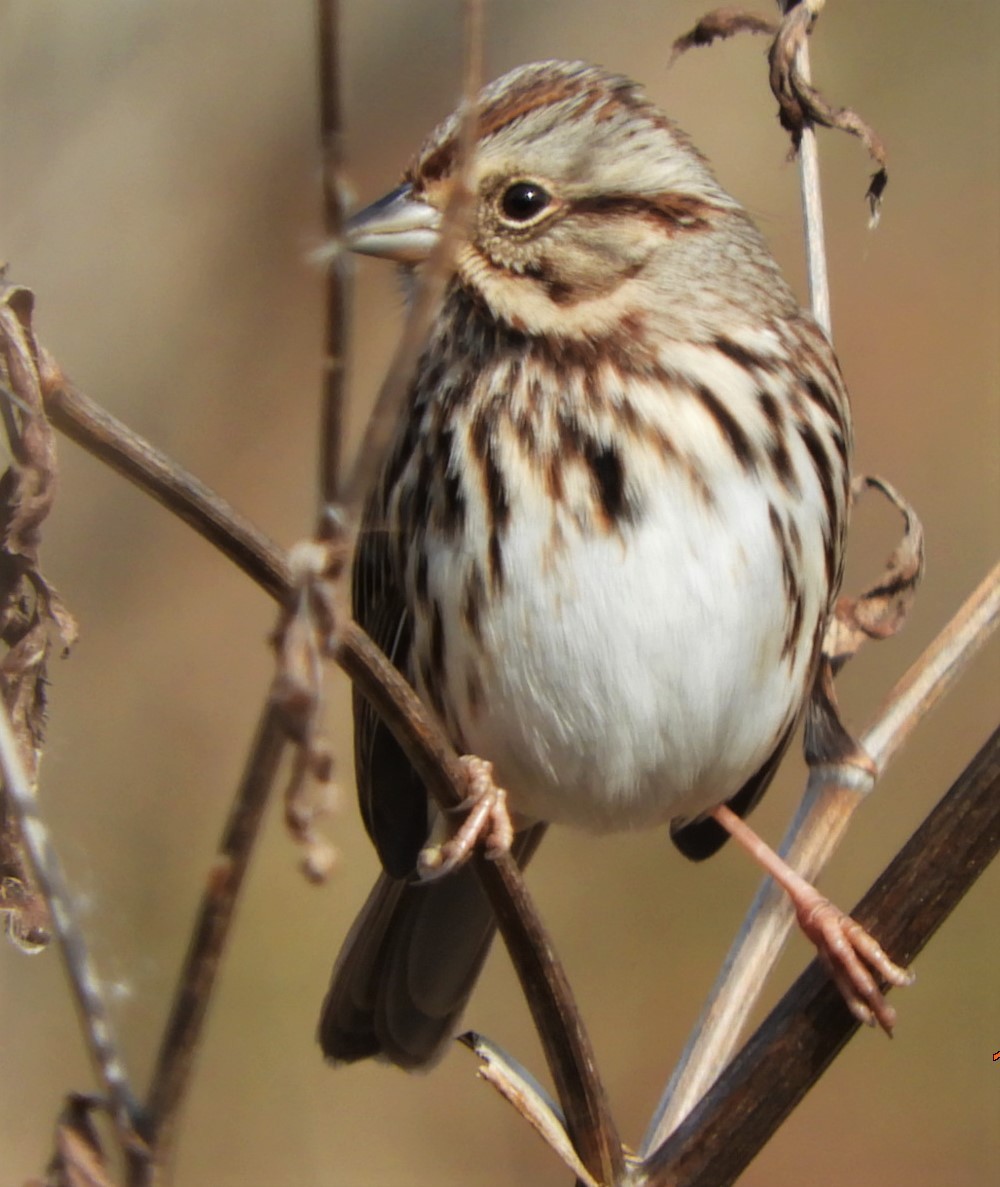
(159, 193)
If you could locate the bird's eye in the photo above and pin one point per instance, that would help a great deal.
(524, 201)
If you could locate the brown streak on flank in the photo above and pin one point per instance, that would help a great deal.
(553, 478)
(473, 692)
(727, 425)
(821, 397)
(431, 688)
(745, 358)
(788, 649)
(787, 570)
(795, 537)
(824, 472)
(608, 476)
(772, 410)
(473, 597)
(437, 643)
(420, 577)
(495, 490)
(782, 464)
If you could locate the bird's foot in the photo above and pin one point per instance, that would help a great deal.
(851, 956)
(487, 822)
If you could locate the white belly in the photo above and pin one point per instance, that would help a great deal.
(630, 676)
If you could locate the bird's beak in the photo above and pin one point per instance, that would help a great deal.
(396, 227)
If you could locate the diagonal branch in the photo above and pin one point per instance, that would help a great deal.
(810, 1025)
(182, 1034)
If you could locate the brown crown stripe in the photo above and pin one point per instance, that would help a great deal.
(543, 90)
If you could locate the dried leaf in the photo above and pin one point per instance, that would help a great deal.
(880, 611)
(517, 1086)
(33, 618)
(719, 24)
(801, 105)
(877, 613)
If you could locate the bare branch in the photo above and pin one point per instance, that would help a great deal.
(435, 274)
(800, 1038)
(182, 1034)
(338, 269)
(169, 484)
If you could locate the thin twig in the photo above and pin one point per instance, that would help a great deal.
(810, 1025)
(338, 269)
(114, 443)
(95, 1018)
(812, 205)
(434, 277)
(811, 840)
(182, 1034)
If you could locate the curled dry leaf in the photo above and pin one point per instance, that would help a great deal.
(800, 104)
(33, 617)
(880, 610)
(877, 613)
(719, 24)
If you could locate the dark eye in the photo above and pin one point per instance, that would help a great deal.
(524, 200)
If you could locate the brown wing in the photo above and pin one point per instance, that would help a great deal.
(392, 798)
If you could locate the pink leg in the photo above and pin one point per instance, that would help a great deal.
(488, 821)
(849, 953)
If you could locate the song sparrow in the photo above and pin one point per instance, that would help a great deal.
(610, 529)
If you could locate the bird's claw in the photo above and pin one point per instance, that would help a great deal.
(487, 821)
(851, 956)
